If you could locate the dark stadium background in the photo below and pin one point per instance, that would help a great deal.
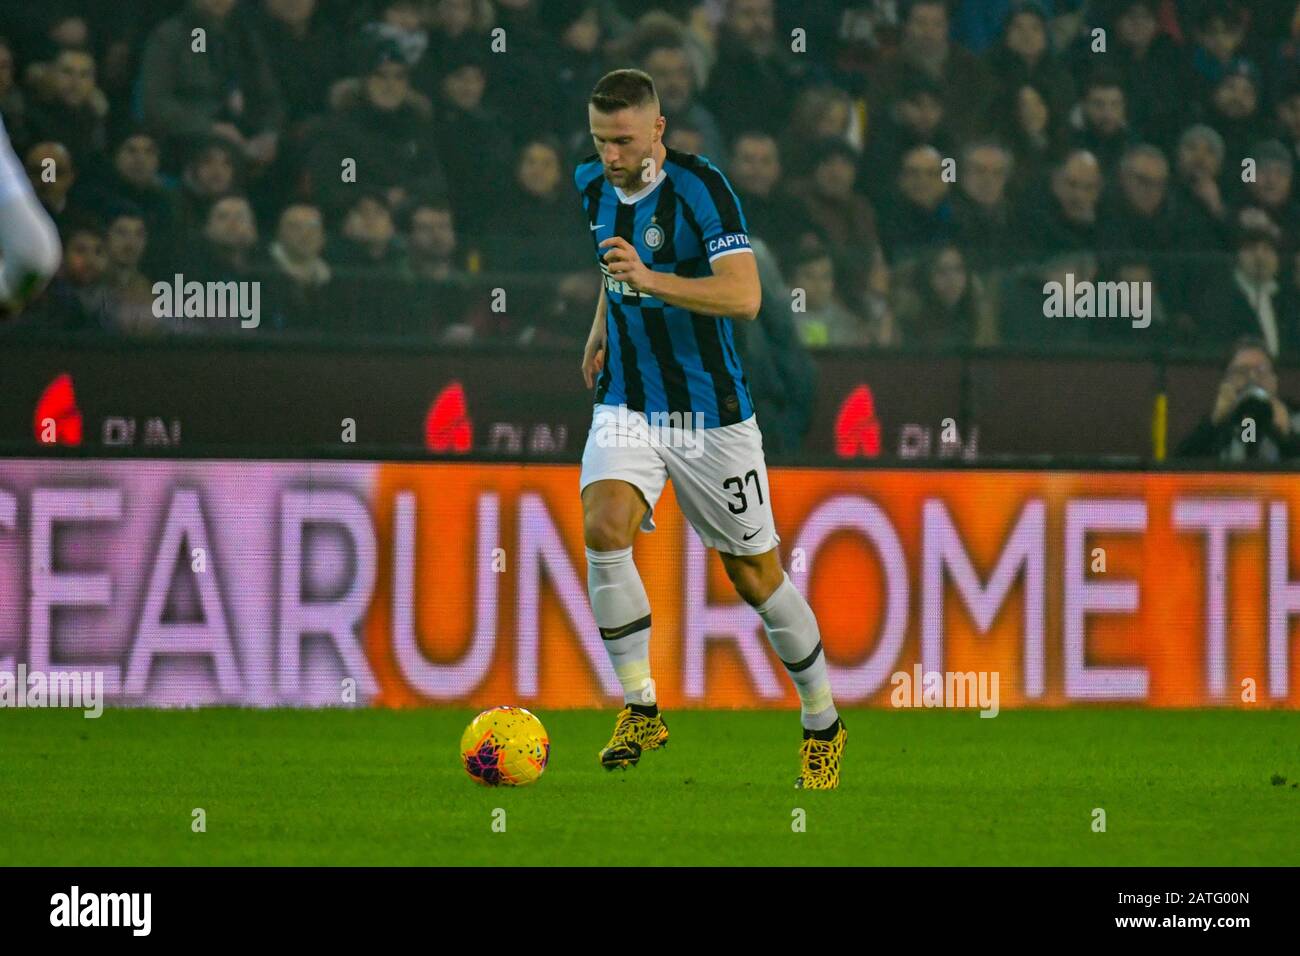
(464, 190)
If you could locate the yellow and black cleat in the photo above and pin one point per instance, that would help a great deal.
(820, 760)
(633, 733)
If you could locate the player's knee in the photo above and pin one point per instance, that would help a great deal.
(607, 528)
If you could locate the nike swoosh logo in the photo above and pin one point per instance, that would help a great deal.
(746, 537)
(599, 225)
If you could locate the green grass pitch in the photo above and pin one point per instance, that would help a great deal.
(385, 787)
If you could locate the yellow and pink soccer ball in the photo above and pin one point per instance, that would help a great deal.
(505, 747)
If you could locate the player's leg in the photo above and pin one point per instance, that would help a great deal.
(722, 489)
(29, 243)
(621, 480)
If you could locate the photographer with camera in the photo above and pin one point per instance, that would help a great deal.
(1248, 422)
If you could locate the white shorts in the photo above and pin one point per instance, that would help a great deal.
(718, 473)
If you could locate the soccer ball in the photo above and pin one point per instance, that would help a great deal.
(505, 747)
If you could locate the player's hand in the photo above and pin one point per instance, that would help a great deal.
(625, 265)
(593, 360)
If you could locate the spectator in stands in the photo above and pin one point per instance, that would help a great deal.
(782, 378)
(368, 242)
(756, 74)
(987, 229)
(824, 319)
(133, 178)
(537, 227)
(921, 216)
(1100, 121)
(1025, 56)
(53, 176)
(211, 172)
(1234, 111)
(1287, 111)
(821, 113)
(74, 111)
(227, 251)
(229, 91)
(1273, 188)
(755, 174)
(915, 118)
(130, 292)
(304, 48)
(1142, 215)
(925, 48)
(1149, 65)
(299, 290)
(685, 138)
(1243, 299)
(939, 303)
(1220, 30)
(830, 208)
(431, 243)
(1198, 190)
(13, 105)
(384, 129)
(1033, 133)
(471, 139)
(77, 298)
(669, 65)
(1248, 420)
(1067, 218)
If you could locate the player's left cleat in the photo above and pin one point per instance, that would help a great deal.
(820, 760)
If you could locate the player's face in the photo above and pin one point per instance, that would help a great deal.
(625, 142)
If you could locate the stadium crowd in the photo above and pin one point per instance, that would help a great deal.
(918, 170)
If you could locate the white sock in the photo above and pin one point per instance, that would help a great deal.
(622, 611)
(792, 630)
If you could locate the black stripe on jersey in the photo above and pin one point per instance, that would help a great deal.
(744, 382)
(709, 342)
(676, 391)
(719, 192)
(666, 217)
(693, 224)
(602, 383)
(633, 389)
(592, 197)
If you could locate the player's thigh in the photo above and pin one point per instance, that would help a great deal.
(612, 510)
(621, 481)
(721, 487)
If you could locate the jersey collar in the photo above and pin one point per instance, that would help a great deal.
(641, 193)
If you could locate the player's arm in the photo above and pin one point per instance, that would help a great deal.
(733, 290)
(593, 356)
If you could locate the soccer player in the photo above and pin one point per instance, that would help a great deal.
(29, 243)
(672, 402)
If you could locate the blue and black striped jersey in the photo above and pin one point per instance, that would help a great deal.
(660, 357)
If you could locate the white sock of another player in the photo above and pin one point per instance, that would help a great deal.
(622, 610)
(792, 630)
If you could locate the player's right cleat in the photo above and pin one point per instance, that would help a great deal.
(633, 734)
